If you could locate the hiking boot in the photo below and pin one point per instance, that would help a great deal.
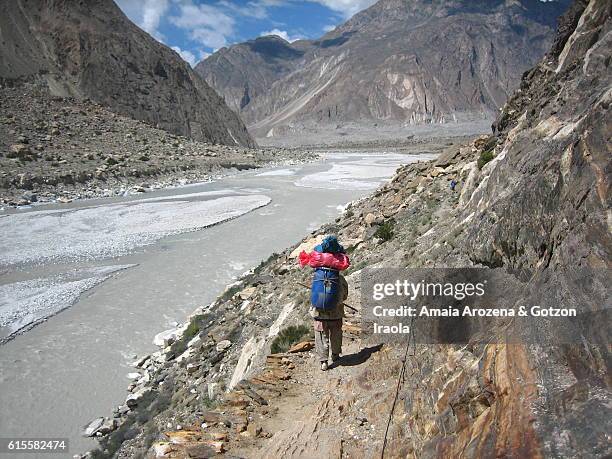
(324, 366)
(335, 357)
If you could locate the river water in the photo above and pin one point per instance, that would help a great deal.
(85, 286)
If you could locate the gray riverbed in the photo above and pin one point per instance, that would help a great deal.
(85, 286)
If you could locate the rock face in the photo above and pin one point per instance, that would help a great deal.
(244, 72)
(411, 61)
(541, 204)
(91, 50)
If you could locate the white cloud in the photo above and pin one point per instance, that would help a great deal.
(146, 13)
(259, 8)
(187, 56)
(346, 7)
(209, 37)
(153, 12)
(213, 24)
(255, 8)
(329, 28)
(283, 34)
(206, 24)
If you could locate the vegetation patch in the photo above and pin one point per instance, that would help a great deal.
(290, 336)
(356, 267)
(192, 329)
(195, 325)
(431, 203)
(485, 157)
(230, 292)
(385, 231)
(208, 402)
(266, 262)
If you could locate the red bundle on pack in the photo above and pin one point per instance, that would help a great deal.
(339, 261)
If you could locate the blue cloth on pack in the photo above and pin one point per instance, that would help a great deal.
(330, 245)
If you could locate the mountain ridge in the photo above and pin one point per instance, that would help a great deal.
(409, 62)
(90, 49)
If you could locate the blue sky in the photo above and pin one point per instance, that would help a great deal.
(195, 28)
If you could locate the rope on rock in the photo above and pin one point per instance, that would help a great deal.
(400, 378)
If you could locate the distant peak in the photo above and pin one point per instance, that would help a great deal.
(271, 38)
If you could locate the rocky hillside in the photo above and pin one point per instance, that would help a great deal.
(533, 197)
(90, 49)
(245, 71)
(54, 148)
(412, 61)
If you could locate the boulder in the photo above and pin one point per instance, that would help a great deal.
(92, 428)
(371, 219)
(185, 355)
(166, 338)
(420, 166)
(301, 347)
(202, 450)
(141, 361)
(210, 417)
(254, 430)
(247, 293)
(108, 426)
(448, 157)
(161, 449)
(192, 368)
(194, 341)
(351, 243)
(223, 345)
(132, 400)
(20, 151)
(29, 196)
(181, 437)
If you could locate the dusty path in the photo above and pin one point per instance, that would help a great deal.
(292, 409)
(338, 413)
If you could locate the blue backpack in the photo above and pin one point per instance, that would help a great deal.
(325, 291)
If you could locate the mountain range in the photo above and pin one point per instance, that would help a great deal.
(408, 61)
(90, 49)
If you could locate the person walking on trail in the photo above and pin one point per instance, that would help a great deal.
(328, 292)
(328, 327)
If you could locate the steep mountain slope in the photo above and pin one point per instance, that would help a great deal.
(247, 70)
(413, 61)
(89, 49)
(540, 205)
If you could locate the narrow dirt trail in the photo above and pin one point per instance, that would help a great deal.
(338, 413)
(292, 409)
